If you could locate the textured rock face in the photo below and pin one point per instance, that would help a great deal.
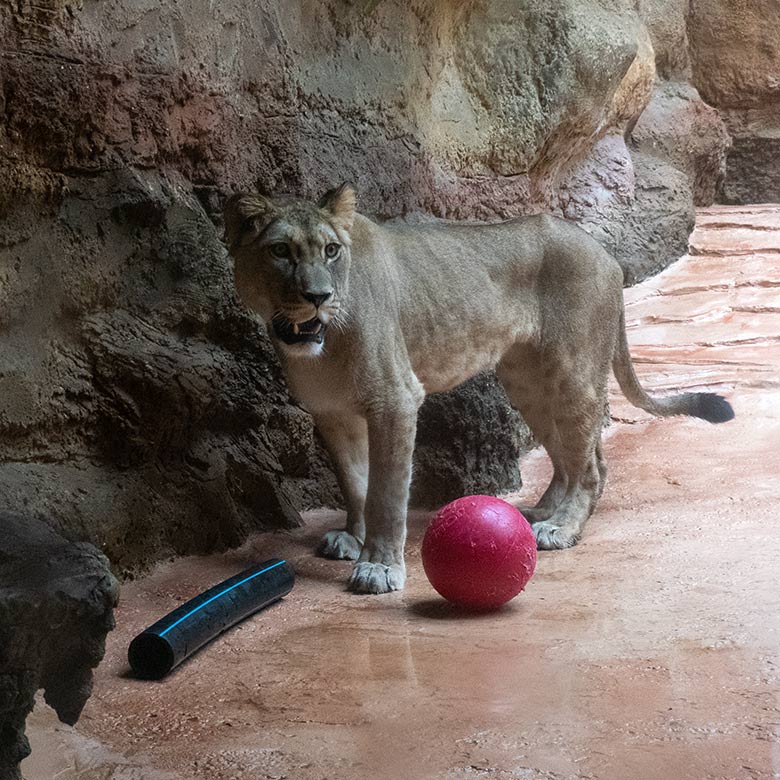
(297, 95)
(735, 52)
(679, 128)
(637, 196)
(667, 24)
(638, 206)
(142, 409)
(754, 160)
(138, 401)
(456, 457)
(56, 602)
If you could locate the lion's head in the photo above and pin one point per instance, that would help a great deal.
(292, 262)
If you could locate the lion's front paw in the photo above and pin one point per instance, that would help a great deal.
(550, 536)
(376, 578)
(341, 545)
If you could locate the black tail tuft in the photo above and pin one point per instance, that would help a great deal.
(712, 408)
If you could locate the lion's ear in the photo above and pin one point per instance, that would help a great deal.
(341, 203)
(245, 218)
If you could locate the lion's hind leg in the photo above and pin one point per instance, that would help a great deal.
(527, 386)
(578, 422)
(564, 410)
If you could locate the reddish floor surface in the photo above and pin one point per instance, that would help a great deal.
(650, 650)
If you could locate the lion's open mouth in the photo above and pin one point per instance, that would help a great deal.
(310, 332)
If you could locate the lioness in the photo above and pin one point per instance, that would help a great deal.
(367, 319)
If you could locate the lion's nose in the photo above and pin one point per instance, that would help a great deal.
(317, 298)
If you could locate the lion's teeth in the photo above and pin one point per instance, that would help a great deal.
(318, 327)
(296, 329)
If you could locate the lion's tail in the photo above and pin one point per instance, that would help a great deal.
(709, 406)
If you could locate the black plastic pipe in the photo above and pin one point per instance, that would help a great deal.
(166, 643)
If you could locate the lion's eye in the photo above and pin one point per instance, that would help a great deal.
(332, 250)
(280, 250)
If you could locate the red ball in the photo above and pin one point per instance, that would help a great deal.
(479, 552)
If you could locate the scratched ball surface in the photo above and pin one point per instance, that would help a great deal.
(479, 552)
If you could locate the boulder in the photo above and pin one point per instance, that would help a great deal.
(679, 128)
(56, 607)
(639, 207)
(454, 457)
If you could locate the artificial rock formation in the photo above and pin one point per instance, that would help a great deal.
(56, 607)
(735, 51)
(140, 405)
(142, 408)
(456, 457)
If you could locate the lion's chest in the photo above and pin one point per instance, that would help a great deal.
(321, 386)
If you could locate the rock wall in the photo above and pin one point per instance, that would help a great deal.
(142, 410)
(139, 406)
(735, 52)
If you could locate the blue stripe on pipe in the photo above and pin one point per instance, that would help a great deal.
(219, 595)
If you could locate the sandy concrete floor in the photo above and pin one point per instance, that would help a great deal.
(650, 650)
